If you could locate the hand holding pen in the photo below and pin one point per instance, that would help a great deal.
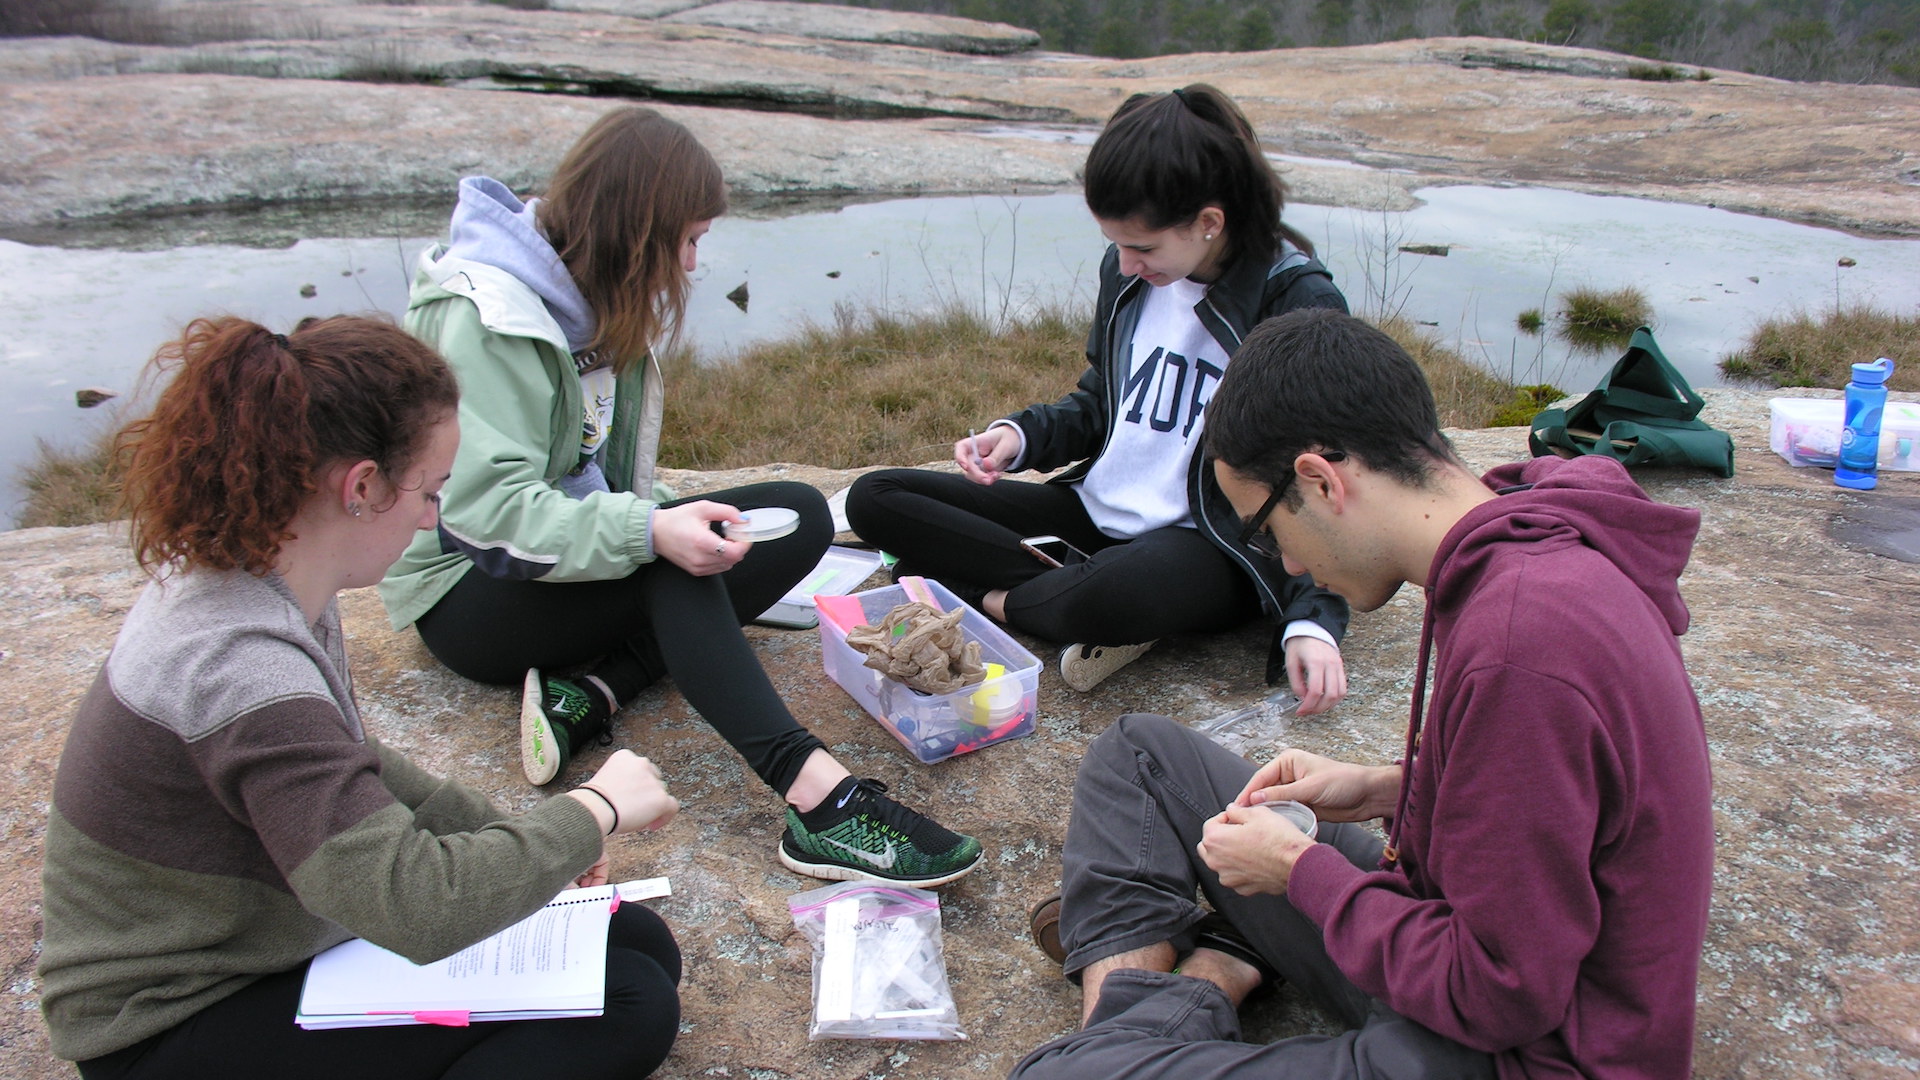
(983, 456)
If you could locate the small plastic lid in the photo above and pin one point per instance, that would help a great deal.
(764, 523)
(1874, 373)
(1302, 817)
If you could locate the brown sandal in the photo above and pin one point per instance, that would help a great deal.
(1044, 922)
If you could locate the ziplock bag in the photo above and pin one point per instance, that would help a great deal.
(878, 972)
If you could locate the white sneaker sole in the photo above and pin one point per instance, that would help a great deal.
(837, 872)
(1084, 667)
(539, 758)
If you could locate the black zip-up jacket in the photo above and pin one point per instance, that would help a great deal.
(1076, 428)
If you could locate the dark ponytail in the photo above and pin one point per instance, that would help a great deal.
(1164, 157)
(250, 420)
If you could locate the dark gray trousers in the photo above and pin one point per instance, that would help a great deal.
(1130, 873)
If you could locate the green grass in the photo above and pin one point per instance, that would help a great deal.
(1808, 350)
(1526, 403)
(1599, 318)
(1531, 321)
(872, 389)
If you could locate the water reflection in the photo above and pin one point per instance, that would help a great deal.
(90, 317)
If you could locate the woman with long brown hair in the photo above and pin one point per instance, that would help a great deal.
(556, 551)
(221, 815)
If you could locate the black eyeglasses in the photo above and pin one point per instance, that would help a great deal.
(1261, 543)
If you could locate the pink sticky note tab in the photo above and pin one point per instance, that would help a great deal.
(916, 589)
(444, 1017)
(842, 611)
(615, 904)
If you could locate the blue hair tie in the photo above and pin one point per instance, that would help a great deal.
(1182, 95)
(280, 340)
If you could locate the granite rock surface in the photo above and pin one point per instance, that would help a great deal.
(320, 100)
(1803, 649)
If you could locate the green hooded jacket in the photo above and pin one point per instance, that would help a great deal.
(521, 412)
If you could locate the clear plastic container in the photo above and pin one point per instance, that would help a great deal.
(935, 727)
(1300, 814)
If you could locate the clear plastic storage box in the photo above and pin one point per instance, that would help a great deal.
(1806, 432)
(934, 727)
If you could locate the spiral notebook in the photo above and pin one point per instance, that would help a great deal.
(551, 964)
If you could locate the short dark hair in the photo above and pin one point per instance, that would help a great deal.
(1318, 379)
(1162, 158)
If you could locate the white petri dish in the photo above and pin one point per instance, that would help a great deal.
(764, 523)
(1299, 813)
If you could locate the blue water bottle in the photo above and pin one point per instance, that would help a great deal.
(1860, 438)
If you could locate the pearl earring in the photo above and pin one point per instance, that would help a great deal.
(1209, 236)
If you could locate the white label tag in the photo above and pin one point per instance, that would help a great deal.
(836, 962)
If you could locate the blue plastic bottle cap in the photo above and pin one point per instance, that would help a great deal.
(765, 523)
(1873, 374)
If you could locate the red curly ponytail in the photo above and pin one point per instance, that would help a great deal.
(250, 420)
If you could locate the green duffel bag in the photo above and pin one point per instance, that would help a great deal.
(1642, 413)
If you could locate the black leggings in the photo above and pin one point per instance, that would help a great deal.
(252, 1033)
(1169, 581)
(657, 621)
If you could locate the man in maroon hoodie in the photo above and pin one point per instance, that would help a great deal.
(1540, 902)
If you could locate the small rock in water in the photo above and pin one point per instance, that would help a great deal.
(739, 296)
(1846, 260)
(309, 291)
(833, 273)
(1753, 279)
(1426, 249)
(93, 395)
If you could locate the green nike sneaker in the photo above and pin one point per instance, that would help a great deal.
(857, 833)
(555, 717)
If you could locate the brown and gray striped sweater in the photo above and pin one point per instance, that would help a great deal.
(219, 815)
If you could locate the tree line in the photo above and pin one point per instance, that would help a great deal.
(1827, 40)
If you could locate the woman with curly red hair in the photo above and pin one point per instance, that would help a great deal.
(220, 815)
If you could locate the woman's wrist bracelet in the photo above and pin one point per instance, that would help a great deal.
(603, 798)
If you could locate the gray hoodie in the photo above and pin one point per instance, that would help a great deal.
(492, 226)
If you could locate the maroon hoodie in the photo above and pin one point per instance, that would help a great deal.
(1556, 829)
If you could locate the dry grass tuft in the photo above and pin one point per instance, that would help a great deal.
(872, 390)
(70, 487)
(1804, 350)
(1467, 395)
(878, 389)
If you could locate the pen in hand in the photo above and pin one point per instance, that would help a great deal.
(973, 440)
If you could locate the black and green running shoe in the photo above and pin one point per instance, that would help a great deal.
(556, 716)
(857, 833)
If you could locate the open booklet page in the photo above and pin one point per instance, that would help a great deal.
(552, 963)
